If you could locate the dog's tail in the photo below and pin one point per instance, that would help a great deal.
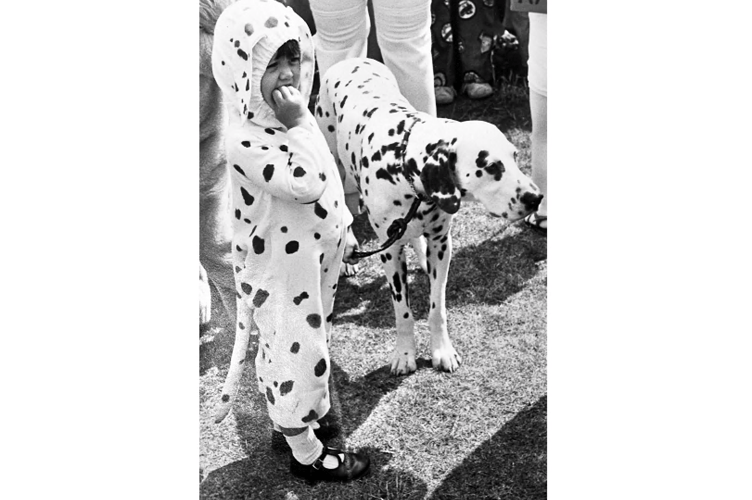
(232, 382)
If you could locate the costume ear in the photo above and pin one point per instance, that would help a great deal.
(439, 180)
(232, 58)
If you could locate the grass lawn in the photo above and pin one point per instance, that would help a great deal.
(479, 433)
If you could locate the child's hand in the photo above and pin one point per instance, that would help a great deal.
(289, 106)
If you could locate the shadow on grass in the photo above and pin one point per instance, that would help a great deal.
(265, 471)
(510, 465)
(257, 477)
(486, 273)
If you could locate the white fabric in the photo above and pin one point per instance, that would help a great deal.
(289, 213)
(306, 447)
(537, 66)
(403, 28)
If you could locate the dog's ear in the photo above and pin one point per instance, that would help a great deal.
(439, 179)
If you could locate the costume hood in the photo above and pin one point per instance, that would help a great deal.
(246, 37)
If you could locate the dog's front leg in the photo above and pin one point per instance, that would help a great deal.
(439, 254)
(395, 268)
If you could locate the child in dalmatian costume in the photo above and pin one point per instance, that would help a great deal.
(290, 223)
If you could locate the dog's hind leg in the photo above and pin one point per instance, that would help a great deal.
(419, 247)
(326, 117)
(395, 267)
(439, 252)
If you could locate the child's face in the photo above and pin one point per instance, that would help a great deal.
(280, 72)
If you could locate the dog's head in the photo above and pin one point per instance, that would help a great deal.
(478, 161)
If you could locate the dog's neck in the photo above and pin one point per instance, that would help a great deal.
(425, 131)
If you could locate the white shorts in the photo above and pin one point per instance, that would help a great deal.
(537, 68)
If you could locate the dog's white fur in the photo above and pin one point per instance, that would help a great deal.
(366, 121)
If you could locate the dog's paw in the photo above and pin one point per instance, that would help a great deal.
(204, 297)
(446, 359)
(403, 361)
(351, 245)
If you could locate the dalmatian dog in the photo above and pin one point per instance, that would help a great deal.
(395, 154)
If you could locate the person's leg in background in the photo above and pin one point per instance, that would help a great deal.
(404, 34)
(342, 28)
(442, 52)
(518, 24)
(537, 76)
(474, 38)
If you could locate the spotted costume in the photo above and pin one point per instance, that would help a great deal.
(289, 217)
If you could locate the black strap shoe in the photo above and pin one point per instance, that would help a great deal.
(351, 466)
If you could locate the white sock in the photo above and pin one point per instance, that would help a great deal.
(306, 447)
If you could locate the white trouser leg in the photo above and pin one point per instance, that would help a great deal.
(403, 28)
(342, 29)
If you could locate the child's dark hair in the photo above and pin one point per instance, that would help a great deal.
(290, 50)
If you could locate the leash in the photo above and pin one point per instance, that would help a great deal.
(398, 227)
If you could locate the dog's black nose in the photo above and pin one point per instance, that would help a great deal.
(531, 201)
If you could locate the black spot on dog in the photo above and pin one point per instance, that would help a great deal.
(295, 347)
(237, 214)
(270, 395)
(240, 170)
(480, 161)
(225, 398)
(269, 131)
(496, 169)
(242, 54)
(384, 174)
(312, 415)
(285, 387)
(247, 289)
(299, 172)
